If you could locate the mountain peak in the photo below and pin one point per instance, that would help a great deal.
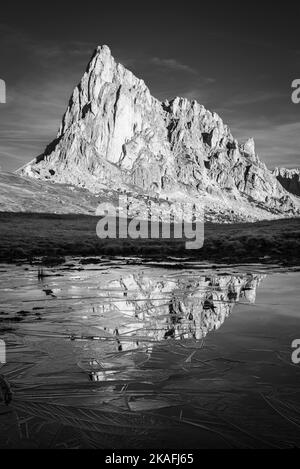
(103, 50)
(114, 134)
(103, 54)
(289, 179)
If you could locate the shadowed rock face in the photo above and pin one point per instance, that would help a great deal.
(114, 134)
(289, 179)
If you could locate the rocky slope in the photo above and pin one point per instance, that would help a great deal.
(114, 134)
(18, 194)
(289, 179)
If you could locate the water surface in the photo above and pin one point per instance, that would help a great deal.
(119, 355)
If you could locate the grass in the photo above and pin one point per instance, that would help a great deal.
(25, 236)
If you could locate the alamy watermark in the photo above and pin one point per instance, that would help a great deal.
(2, 352)
(296, 92)
(149, 219)
(296, 352)
(2, 92)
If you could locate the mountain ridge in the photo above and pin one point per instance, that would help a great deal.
(114, 133)
(289, 179)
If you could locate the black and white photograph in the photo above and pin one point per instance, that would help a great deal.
(149, 228)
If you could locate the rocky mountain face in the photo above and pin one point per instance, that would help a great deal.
(289, 179)
(114, 134)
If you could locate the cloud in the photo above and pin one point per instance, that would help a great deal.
(32, 56)
(253, 98)
(172, 64)
(40, 80)
(30, 119)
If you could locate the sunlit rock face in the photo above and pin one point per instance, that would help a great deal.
(176, 309)
(114, 134)
(289, 179)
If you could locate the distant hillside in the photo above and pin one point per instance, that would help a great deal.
(18, 194)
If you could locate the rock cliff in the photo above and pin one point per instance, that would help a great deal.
(289, 179)
(114, 134)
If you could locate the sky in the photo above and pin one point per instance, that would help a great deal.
(238, 60)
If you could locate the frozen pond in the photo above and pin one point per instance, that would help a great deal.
(120, 355)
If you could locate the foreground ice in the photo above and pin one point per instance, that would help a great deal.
(96, 352)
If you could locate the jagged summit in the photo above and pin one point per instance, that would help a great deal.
(289, 179)
(115, 134)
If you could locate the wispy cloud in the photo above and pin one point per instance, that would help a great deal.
(30, 120)
(49, 49)
(39, 84)
(253, 98)
(172, 64)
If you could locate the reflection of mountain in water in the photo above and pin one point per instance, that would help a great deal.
(176, 308)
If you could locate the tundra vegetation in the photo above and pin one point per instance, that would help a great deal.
(25, 236)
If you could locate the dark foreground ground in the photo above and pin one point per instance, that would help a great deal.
(25, 236)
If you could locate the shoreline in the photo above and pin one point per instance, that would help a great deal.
(26, 237)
